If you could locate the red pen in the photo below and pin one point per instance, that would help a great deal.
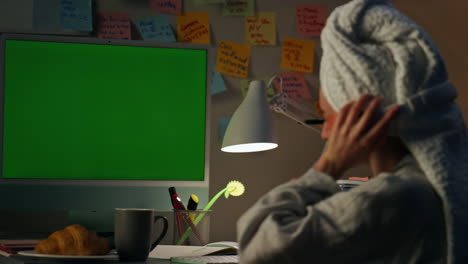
(6, 250)
(176, 206)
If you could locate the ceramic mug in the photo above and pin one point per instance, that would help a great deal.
(133, 228)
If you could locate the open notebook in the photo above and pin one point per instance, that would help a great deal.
(216, 248)
(225, 259)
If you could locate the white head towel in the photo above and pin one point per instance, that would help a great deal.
(370, 47)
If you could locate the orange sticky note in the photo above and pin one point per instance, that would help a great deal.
(310, 19)
(293, 84)
(113, 26)
(173, 7)
(193, 28)
(297, 55)
(261, 29)
(233, 59)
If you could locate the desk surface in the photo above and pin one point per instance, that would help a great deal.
(29, 260)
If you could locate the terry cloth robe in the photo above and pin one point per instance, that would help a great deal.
(394, 218)
(369, 47)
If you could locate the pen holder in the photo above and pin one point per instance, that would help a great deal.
(185, 220)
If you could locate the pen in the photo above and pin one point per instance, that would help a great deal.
(192, 205)
(175, 205)
(314, 121)
(175, 199)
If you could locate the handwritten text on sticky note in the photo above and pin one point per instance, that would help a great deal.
(156, 28)
(239, 8)
(173, 7)
(261, 29)
(76, 15)
(114, 26)
(206, 2)
(233, 59)
(297, 55)
(193, 28)
(293, 84)
(310, 19)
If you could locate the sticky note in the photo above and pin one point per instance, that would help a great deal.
(223, 122)
(193, 28)
(206, 2)
(233, 59)
(293, 84)
(239, 8)
(173, 7)
(244, 85)
(217, 83)
(261, 29)
(46, 16)
(76, 15)
(310, 19)
(113, 26)
(297, 55)
(156, 28)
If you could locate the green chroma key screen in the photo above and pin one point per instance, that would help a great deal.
(105, 112)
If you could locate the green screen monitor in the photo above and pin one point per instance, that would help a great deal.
(91, 124)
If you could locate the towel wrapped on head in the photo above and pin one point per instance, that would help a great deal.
(370, 47)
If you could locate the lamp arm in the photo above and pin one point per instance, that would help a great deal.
(281, 103)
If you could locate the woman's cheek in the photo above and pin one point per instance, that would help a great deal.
(327, 127)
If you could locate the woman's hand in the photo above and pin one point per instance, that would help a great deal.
(354, 135)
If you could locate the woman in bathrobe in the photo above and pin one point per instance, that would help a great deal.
(387, 104)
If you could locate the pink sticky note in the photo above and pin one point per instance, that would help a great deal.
(114, 26)
(310, 19)
(173, 7)
(294, 85)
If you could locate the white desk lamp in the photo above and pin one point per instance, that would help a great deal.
(250, 128)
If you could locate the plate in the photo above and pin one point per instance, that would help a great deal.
(30, 253)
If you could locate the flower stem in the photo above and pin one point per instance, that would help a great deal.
(200, 216)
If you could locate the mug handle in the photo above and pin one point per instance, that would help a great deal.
(163, 233)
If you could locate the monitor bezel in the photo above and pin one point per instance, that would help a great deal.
(138, 43)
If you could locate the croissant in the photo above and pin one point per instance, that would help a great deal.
(74, 240)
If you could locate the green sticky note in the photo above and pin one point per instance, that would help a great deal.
(239, 8)
(244, 84)
(156, 28)
(76, 15)
(207, 2)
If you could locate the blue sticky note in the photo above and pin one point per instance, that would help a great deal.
(223, 122)
(156, 28)
(217, 83)
(76, 15)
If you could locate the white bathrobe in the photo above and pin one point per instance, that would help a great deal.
(394, 218)
(370, 47)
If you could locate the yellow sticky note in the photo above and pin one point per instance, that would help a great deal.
(297, 55)
(233, 59)
(261, 29)
(193, 28)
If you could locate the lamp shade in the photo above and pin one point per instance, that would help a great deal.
(250, 128)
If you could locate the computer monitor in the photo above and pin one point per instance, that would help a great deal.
(94, 124)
